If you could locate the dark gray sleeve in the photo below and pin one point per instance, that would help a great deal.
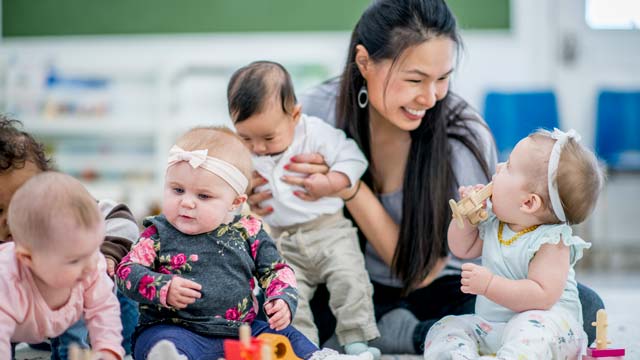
(320, 101)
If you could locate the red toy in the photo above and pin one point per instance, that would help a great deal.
(265, 347)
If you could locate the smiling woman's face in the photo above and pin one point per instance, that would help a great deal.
(403, 92)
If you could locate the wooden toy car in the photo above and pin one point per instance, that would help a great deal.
(471, 207)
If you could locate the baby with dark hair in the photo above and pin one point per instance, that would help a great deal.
(313, 236)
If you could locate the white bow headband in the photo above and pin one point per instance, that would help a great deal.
(561, 139)
(198, 158)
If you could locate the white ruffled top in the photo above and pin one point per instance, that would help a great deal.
(512, 262)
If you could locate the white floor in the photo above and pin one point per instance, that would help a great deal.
(620, 292)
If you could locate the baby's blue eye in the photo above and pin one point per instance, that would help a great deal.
(204, 196)
(178, 190)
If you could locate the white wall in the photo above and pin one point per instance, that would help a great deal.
(525, 57)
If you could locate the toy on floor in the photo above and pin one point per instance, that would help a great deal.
(471, 206)
(264, 347)
(601, 352)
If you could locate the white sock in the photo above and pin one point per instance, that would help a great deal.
(165, 350)
(356, 348)
(330, 354)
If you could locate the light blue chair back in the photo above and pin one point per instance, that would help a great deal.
(514, 115)
(617, 138)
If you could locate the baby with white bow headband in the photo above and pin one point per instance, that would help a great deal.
(527, 304)
(194, 267)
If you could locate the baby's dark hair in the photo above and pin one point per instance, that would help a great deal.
(252, 86)
(18, 146)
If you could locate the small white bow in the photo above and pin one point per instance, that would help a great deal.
(195, 158)
(561, 135)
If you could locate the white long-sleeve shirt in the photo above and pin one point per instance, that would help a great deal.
(312, 135)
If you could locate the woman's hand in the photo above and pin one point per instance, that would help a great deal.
(307, 164)
(256, 198)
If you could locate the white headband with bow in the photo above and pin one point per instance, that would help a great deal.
(198, 158)
(561, 138)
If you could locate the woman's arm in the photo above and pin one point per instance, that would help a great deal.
(378, 227)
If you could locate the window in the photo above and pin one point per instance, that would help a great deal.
(613, 14)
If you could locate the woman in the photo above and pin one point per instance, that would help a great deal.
(422, 143)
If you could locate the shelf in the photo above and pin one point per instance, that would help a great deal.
(88, 127)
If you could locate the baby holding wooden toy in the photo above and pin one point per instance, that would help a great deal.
(527, 302)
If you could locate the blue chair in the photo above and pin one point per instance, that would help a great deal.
(618, 130)
(514, 115)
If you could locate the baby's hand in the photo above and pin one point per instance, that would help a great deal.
(475, 279)
(279, 314)
(318, 185)
(104, 355)
(183, 292)
(466, 190)
(111, 267)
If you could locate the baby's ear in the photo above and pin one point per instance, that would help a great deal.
(296, 113)
(531, 204)
(24, 255)
(238, 201)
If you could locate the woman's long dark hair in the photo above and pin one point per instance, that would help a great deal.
(386, 29)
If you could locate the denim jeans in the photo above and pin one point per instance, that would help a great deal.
(197, 347)
(78, 332)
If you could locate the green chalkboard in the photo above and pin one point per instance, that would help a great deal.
(22, 18)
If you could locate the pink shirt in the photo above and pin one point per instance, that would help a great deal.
(25, 316)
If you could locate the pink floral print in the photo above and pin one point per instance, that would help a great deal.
(143, 252)
(287, 276)
(149, 232)
(178, 260)
(276, 288)
(146, 288)
(232, 314)
(123, 272)
(254, 249)
(251, 224)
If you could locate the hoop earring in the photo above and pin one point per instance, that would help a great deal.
(363, 97)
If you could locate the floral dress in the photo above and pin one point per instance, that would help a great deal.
(226, 262)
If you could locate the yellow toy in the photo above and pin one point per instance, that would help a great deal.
(601, 329)
(264, 347)
(470, 206)
(601, 352)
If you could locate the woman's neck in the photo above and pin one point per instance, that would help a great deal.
(389, 153)
(383, 132)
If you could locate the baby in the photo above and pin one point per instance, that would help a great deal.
(193, 268)
(528, 305)
(22, 157)
(314, 237)
(53, 272)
